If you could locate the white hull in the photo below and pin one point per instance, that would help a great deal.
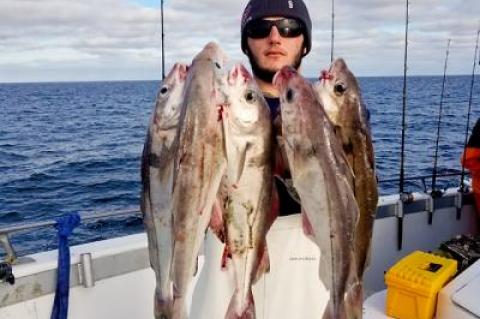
(124, 283)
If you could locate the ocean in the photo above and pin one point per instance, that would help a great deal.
(75, 147)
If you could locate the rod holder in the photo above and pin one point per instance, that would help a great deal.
(6, 274)
(399, 209)
(459, 200)
(399, 215)
(85, 270)
(459, 204)
(430, 207)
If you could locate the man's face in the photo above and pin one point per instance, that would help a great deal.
(273, 52)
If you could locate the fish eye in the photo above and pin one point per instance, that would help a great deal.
(339, 88)
(289, 95)
(218, 65)
(164, 90)
(250, 96)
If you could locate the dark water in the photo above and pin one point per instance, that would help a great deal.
(75, 147)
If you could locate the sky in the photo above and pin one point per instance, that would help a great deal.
(101, 40)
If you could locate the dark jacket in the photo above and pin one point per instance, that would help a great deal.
(288, 199)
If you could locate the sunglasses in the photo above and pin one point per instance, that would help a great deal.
(288, 28)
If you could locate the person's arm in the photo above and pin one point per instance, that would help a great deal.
(471, 158)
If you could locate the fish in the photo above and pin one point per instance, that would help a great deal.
(247, 211)
(157, 179)
(340, 93)
(322, 179)
(200, 163)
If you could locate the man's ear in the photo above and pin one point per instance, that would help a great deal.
(304, 51)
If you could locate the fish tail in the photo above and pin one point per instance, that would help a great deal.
(335, 310)
(179, 309)
(238, 311)
(354, 301)
(163, 307)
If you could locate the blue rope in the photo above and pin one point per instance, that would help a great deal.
(65, 225)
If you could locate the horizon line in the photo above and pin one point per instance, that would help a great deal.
(159, 80)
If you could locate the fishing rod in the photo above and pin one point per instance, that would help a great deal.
(404, 108)
(403, 196)
(163, 41)
(333, 32)
(462, 184)
(462, 179)
(435, 192)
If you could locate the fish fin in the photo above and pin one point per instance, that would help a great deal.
(307, 226)
(225, 128)
(236, 311)
(345, 158)
(370, 151)
(145, 172)
(275, 207)
(280, 159)
(325, 271)
(204, 162)
(216, 220)
(337, 130)
(235, 153)
(180, 155)
(354, 300)
(239, 163)
(226, 256)
(212, 179)
(195, 269)
(263, 265)
(366, 262)
(343, 139)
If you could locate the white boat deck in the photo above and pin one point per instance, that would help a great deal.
(124, 283)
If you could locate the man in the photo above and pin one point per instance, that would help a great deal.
(471, 160)
(275, 33)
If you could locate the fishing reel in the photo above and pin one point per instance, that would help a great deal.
(6, 274)
(407, 198)
(437, 193)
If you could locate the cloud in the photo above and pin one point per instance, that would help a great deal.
(120, 39)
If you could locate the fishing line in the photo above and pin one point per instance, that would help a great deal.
(163, 40)
(462, 179)
(402, 155)
(434, 192)
(333, 32)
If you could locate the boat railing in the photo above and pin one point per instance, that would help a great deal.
(5, 232)
(387, 208)
(422, 178)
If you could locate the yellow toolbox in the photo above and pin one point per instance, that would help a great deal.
(413, 284)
